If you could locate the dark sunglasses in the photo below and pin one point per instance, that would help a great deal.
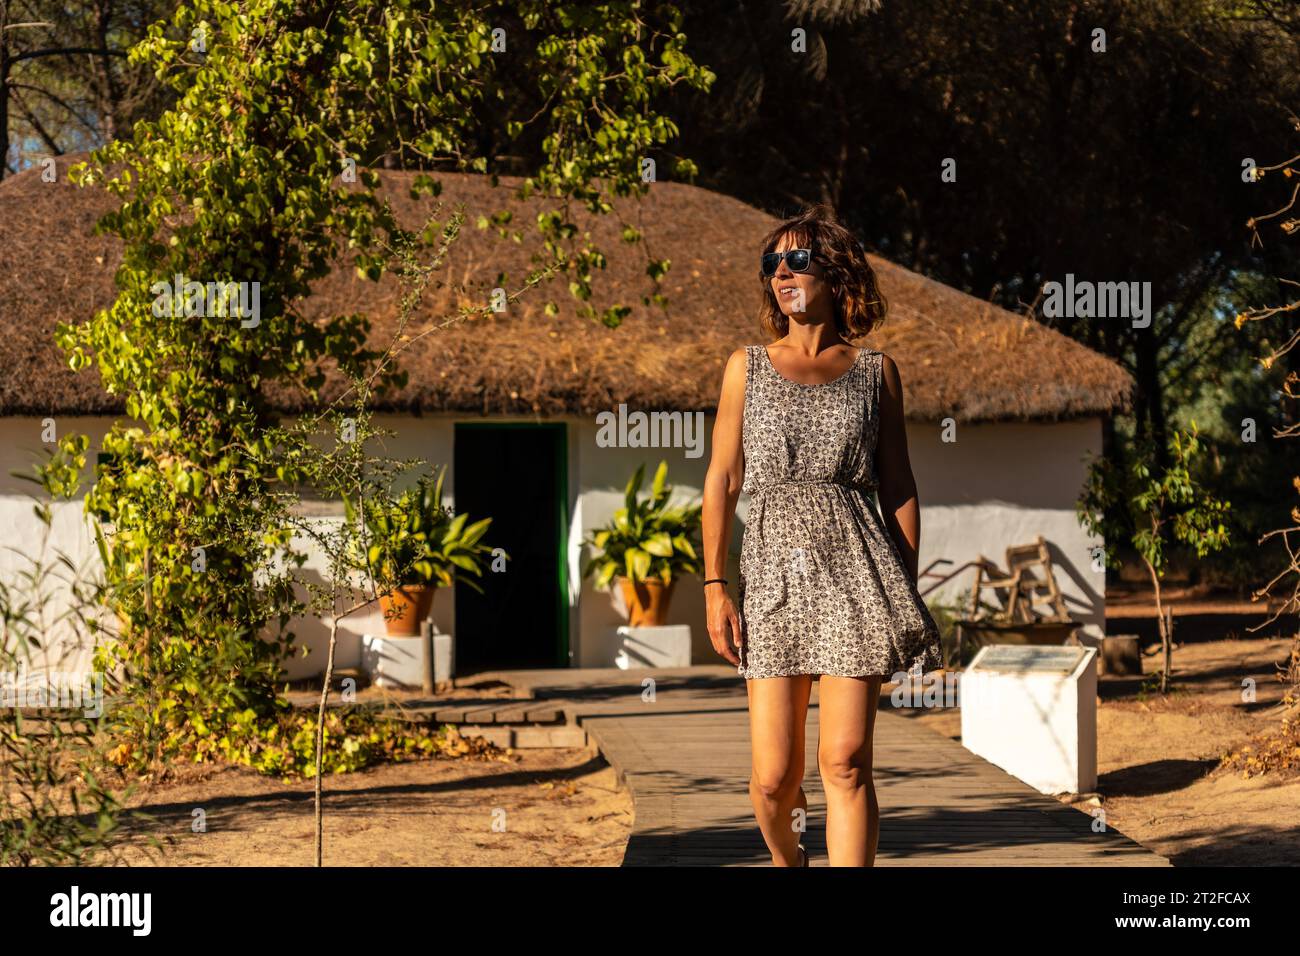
(797, 259)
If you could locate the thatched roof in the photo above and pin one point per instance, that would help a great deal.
(959, 356)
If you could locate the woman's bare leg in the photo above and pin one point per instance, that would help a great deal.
(778, 711)
(846, 724)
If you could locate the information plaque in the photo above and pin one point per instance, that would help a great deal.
(1032, 710)
(1030, 658)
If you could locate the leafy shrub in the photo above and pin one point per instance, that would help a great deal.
(646, 538)
(415, 539)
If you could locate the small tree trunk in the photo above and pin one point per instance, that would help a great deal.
(1160, 621)
(320, 733)
(5, 66)
(154, 741)
(1168, 620)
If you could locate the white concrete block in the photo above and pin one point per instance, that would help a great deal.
(667, 646)
(1033, 712)
(398, 662)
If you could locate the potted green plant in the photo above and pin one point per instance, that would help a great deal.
(646, 545)
(415, 545)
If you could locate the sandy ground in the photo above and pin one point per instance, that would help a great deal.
(1157, 758)
(1159, 783)
(543, 807)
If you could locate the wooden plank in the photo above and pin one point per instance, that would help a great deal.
(500, 712)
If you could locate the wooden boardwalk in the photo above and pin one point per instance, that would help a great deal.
(683, 751)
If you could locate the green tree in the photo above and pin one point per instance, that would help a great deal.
(1153, 508)
(251, 188)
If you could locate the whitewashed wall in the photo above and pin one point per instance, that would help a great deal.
(604, 473)
(996, 485)
(21, 533)
(427, 437)
(1003, 484)
(23, 538)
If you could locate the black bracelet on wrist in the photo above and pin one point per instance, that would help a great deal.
(716, 581)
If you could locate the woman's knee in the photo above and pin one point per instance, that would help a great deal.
(845, 769)
(776, 784)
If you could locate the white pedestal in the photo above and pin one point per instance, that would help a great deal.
(1032, 711)
(667, 646)
(398, 662)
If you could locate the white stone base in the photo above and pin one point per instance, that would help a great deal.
(1037, 725)
(398, 662)
(667, 646)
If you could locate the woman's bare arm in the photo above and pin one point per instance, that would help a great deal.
(722, 484)
(899, 505)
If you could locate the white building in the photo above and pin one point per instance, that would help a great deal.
(1002, 411)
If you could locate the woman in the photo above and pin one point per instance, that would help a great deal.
(809, 426)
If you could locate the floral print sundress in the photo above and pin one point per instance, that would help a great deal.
(822, 587)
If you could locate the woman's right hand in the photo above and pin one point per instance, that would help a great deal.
(724, 622)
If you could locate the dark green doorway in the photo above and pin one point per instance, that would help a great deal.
(514, 473)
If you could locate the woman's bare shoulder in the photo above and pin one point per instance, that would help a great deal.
(887, 363)
(891, 381)
(736, 362)
(736, 372)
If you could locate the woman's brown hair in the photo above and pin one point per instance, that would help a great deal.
(859, 306)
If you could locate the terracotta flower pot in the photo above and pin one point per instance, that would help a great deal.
(405, 607)
(647, 601)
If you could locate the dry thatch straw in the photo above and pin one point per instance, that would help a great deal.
(959, 356)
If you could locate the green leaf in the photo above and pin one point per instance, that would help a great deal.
(465, 563)
(454, 529)
(637, 564)
(660, 545)
(475, 532)
(660, 481)
(633, 486)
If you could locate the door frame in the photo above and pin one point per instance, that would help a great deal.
(560, 510)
